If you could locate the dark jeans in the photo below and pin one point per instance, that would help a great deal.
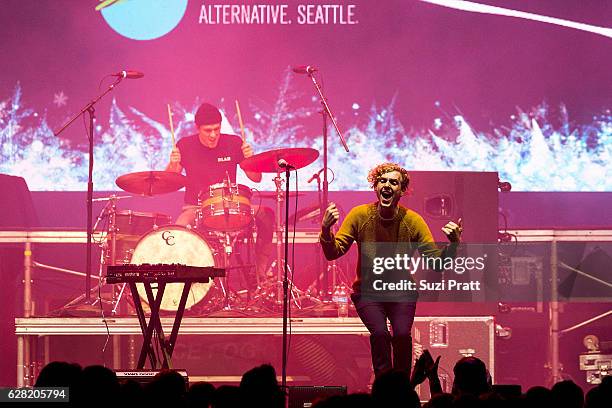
(374, 316)
(264, 220)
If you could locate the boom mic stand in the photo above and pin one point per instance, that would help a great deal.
(327, 113)
(288, 169)
(89, 108)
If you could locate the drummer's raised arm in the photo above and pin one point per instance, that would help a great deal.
(175, 161)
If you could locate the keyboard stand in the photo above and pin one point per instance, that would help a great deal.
(154, 324)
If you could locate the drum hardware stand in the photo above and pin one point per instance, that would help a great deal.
(228, 243)
(110, 258)
(246, 237)
(296, 294)
(281, 264)
(249, 243)
(224, 282)
(320, 283)
(276, 268)
(108, 254)
(106, 212)
(337, 276)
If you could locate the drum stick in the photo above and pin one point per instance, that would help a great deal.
(171, 126)
(240, 121)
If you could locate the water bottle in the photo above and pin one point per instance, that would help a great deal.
(340, 298)
(336, 296)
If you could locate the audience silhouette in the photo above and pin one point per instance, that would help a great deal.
(472, 388)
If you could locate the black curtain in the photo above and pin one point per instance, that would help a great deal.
(16, 213)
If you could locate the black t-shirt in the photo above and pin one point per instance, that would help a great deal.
(205, 166)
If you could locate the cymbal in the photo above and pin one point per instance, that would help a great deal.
(151, 182)
(267, 162)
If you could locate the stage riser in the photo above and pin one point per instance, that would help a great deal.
(321, 359)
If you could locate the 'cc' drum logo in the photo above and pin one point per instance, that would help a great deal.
(168, 237)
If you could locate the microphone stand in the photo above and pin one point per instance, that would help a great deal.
(89, 108)
(321, 280)
(324, 202)
(288, 169)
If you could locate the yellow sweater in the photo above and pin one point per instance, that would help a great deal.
(363, 224)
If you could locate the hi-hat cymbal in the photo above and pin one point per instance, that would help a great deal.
(268, 162)
(150, 183)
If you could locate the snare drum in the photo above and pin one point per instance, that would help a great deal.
(174, 244)
(226, 208)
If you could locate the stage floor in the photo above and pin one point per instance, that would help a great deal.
(45, 326)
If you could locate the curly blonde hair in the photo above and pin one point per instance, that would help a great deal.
(383, 168)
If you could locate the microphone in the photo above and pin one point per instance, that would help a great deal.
(282, 163)
(129, 74)
(504, 186)
(304, 69)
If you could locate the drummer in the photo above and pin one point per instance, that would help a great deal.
(210, 157)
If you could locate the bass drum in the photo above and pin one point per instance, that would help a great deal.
(175, 244)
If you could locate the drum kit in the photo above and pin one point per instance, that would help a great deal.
(224, 219)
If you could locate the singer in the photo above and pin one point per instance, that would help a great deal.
(208, 158)
(382, 222)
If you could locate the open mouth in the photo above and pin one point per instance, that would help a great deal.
(386, 196)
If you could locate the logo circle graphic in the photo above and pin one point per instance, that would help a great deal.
(144, 19)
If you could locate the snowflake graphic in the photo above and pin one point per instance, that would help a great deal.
(60, 99)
